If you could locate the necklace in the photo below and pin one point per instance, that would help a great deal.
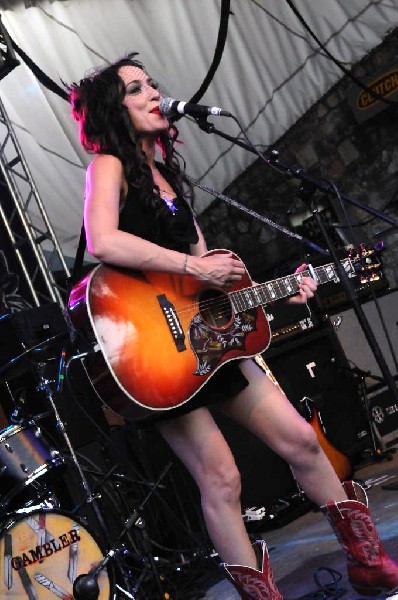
(170, 204)
(164, 194)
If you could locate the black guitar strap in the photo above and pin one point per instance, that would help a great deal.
(78, 263)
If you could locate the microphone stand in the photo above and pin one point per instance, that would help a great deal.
(308, 188)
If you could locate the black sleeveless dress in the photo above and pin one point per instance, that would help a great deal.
(174, 228)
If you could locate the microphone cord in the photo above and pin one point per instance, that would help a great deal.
(346, 71)
(255, 214)
(220, 45)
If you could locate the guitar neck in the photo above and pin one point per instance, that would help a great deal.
(262, 294)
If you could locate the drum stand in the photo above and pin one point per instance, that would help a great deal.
(45, 387)
(137, 552)
(85, 586)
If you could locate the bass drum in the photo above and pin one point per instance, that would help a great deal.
(43, 552)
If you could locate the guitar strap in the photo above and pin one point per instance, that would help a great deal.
(264, 367)
(80, 270)
(256, 215)
(78, 263)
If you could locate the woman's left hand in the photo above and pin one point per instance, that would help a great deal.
(306, 290)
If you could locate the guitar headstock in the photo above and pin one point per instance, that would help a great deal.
(349, 267)
(366, 263)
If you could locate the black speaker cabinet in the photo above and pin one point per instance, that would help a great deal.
(315, 366)
(27, 329)
(353, 339)
(265, 476)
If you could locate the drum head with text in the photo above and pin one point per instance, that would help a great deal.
(41, 555)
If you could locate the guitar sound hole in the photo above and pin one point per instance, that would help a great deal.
(215, 308)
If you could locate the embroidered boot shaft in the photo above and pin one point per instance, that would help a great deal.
(255, 584)
(370, 570)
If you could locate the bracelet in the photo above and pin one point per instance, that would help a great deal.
(184, 266)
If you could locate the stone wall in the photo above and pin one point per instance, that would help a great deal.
(361, 160)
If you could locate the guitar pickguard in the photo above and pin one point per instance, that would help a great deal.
(209, 344)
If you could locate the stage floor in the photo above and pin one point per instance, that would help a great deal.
(300, 548)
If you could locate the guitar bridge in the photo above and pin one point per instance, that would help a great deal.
(173, 323)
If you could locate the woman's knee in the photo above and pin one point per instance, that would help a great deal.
(221, 481)
(306, 444)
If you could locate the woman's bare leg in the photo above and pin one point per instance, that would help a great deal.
(267, 413)
(197, 441)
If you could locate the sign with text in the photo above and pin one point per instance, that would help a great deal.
(384, 83)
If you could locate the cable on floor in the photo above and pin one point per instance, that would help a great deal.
(326, 590)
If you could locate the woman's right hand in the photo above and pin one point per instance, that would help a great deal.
(219, 270)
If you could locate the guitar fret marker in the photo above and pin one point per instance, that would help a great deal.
(249, 299)
(330, 272)
(256, 293)
(288, 285)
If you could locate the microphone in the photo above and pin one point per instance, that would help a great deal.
(169, 107)
(85, 587)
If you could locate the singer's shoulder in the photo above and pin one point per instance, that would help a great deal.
(105, 162)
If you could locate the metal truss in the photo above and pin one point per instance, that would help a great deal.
(26, 222)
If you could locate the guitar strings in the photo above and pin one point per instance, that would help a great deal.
(224, 299)
(224, 302)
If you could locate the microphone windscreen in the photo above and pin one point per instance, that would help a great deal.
(166, 105)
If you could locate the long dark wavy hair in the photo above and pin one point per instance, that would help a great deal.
(105, 127)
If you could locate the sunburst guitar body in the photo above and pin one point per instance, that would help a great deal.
(159, 337)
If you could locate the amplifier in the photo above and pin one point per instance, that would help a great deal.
(287, 320)
(77, 403)
(384, 412)
(355, 344)
(332, 295)
(313, 365)
(19, 333)
(10, 343)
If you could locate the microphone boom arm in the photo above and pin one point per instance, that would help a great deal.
(273, 161)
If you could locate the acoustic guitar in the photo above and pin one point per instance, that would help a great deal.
(159, 337)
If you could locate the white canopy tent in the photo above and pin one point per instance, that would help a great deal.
(271, 72)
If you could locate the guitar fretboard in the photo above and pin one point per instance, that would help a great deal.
(284, 287)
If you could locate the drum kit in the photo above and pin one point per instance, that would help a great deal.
(47, 552)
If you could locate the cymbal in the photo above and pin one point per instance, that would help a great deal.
(50, 343)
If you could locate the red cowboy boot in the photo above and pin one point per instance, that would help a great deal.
(370, 570)
(254, 584)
